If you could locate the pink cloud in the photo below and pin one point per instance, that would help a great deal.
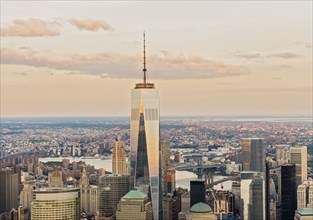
(32, 27)
(114, 65)
(90, 24)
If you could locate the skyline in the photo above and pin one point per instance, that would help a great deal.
(85, 63)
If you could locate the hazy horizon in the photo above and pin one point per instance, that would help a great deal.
(163, 116)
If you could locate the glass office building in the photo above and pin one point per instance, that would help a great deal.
(144, 142)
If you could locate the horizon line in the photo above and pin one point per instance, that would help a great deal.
(124, 116)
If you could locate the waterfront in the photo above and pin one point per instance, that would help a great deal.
(182, 177)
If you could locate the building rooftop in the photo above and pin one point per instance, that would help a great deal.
(144, 86)
(200, 208)
(135, 194)
(305, 211)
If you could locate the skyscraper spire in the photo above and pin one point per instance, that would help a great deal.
(144, 60)
(144, 84)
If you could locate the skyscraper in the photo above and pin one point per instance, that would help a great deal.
(144, 142)
(171, 180)
(302, 196)
(305, 194)
(197, 192)
(252, 189)
(282, 154)
(256, 205)
(26, 195)
(8, 189)
(118, 158)
(89, 194)
(288, 188)
(165, 161)
(253, 154)
(112, 188)
(236, 192)
(299, 157)
(56, 203)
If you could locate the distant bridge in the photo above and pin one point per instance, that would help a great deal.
(209, 183)
(196, 167)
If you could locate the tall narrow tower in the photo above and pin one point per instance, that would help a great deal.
(299, 157)
(144, 141)
(118, 158)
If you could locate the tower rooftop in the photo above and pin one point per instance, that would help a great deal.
(144, 86)
(135, 194)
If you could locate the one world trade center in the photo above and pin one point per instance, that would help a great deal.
(144, 141)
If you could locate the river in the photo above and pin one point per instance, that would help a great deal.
(182, 177)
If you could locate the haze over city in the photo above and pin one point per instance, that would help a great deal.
(208, 58)
(156, 110)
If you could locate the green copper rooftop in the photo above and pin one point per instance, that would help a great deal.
(201, 208)
(305, 211)
(135, 194)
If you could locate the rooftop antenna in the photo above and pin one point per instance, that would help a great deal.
(144, 60)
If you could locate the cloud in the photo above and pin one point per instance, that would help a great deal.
(285, 55)
(32, 27)
(277, 78)
(285, 66)
(261, 57)
(224, 83)
(247, 56)
(303, 89)
(114, 65)
(90, 24)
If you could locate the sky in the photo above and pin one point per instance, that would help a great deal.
(75, 58)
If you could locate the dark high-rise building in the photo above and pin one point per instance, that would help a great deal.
(197, 192)
(112, 188)
(165, 163)
(267, 191)
(8, 189)
(256, 205)
(289, 193)
(236, 195)
(253, 154)
(145, 142)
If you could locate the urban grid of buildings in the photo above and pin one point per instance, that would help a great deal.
(265, 162)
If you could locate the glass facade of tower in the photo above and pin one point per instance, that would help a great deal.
(145, 147)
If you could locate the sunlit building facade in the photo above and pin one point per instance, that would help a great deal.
(145, 143)
(118, 158)
(89, 194)
(56, 203)
(299, 157)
